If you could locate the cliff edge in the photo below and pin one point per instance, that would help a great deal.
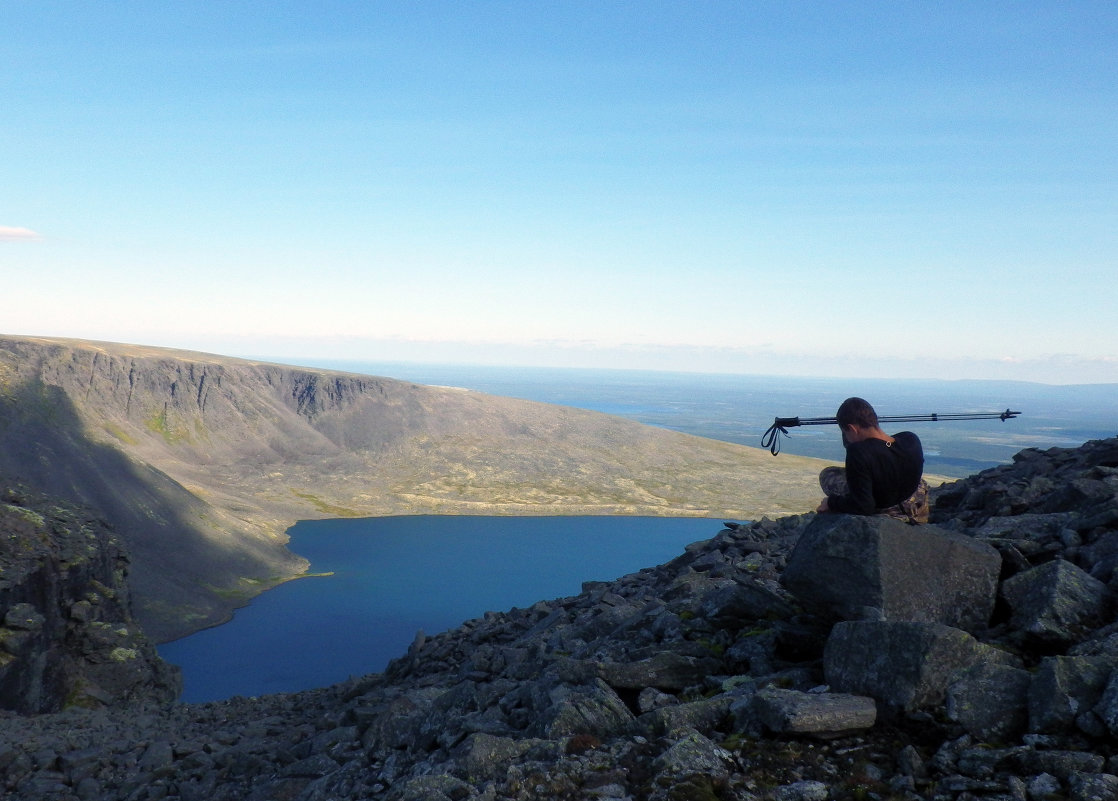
(67, 636)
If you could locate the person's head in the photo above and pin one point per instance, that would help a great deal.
(857, 413)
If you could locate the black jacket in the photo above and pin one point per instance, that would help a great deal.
(880, 475)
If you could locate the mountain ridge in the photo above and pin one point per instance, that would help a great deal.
(213, 458)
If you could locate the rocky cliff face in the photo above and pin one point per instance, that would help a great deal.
(201, 462)
(703, 678)
(67, 636)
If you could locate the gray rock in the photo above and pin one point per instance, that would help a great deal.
(1055, 603)
(965, 786)
(1062, 763)
(990, 700)
(905, 666)
(1107, 707)
(311, 767)
(158, 755)
(703, 715)
(650, 698)
(843, 564)
(1101, 556)
(398, 724)
(664, 671)
(694, 754)
(432, 788)
(806, 790)
(485, 755)
(984, 762)
(23, 616)
(737, 603)
(1093, 787)
(1034, 535)
(1064, 687)
(819, 714)
(1043, 786)
(910, 763)
(595, 709)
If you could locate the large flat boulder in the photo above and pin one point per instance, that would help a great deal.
(857, 567)
(905, 666)
(822, 715)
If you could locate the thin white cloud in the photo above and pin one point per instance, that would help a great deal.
(10, 233)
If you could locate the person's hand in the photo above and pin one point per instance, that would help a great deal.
(823, 507)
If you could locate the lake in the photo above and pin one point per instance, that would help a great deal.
(394, 576)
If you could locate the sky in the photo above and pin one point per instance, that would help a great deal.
(863, 189)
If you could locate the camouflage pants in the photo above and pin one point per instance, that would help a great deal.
(913, 509)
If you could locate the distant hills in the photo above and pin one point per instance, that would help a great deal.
(201, 462)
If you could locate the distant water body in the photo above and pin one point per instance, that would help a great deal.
(393, 576)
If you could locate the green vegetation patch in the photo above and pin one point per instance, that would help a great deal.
(324, 507)
(160, 423)
(113, 430)
(28, 515)
(248, 588)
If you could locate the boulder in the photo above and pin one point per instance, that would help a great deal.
(990, 701)
(1101, 556)
(694, 754)
(1107, 707)
(1063, 764)
(740, 602)
(853, 568)
(1093, 787)
(819, 714)
(399, 723)
(804, 790)
(484, 755)
(1055, 603)
(436, 787)
(703, 715)
(1064, 689)
(664, 671)
(905, 666)
(593, 709)
(1037, 536)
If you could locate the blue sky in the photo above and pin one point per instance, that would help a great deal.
(860, 189)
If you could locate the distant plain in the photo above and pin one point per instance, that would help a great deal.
(739, 408)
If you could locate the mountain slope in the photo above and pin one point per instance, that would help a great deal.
(201, 462)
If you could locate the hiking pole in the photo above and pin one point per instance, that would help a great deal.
(771, 438)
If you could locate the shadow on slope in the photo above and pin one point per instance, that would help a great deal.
(198, 578)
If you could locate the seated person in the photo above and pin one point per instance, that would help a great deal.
(883, 473)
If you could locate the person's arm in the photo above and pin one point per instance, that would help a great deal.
(859, 479)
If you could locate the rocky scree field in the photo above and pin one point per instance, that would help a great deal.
(723, 674)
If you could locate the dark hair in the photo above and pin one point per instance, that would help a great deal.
(857, 412)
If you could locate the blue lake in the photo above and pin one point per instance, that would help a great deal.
(394, 576)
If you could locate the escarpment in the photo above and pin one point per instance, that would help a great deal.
(201, 462)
